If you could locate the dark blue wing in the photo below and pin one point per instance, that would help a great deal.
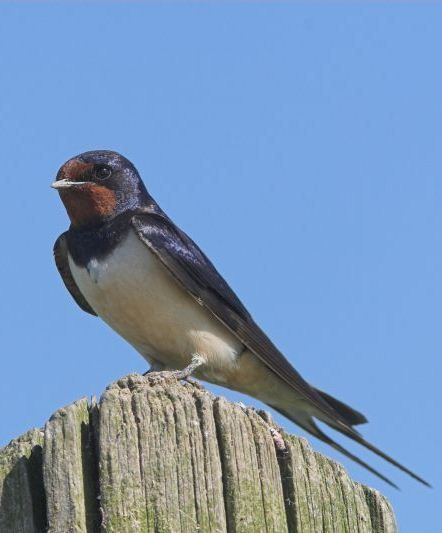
(62, 263)
(194, 271)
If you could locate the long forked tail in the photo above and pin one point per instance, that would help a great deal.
(350, 415)
(308, 424)
(348, 431)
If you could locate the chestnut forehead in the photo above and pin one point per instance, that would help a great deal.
(75, 169)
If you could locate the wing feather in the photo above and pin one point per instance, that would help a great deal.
(194, 271)
(61, 260)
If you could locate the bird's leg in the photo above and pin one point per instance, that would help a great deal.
(185, 373)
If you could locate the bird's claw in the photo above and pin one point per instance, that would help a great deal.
(179, 375)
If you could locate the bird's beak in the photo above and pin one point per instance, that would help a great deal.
(66, 184)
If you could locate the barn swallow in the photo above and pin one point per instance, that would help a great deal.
(124, 260)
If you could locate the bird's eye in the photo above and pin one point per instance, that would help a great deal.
(102, 172)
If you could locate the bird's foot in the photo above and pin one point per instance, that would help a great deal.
(155, 376)
(194, 382)
(183, 374)
(155, 368)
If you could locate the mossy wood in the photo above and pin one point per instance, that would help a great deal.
(170, 457)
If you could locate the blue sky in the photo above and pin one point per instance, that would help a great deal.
(299, 145)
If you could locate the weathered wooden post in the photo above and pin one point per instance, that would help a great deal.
(171, 457)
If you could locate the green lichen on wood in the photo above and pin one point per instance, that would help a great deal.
(381, 513)
(22, 496)
(169, 457)
(252, 485)
(69, 470)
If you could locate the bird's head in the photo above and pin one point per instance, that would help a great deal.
(97, 186)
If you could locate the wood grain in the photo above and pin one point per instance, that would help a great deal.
(163, 456)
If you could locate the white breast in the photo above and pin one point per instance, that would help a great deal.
(134, 293)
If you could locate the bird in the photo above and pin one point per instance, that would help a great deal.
(124, 260)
